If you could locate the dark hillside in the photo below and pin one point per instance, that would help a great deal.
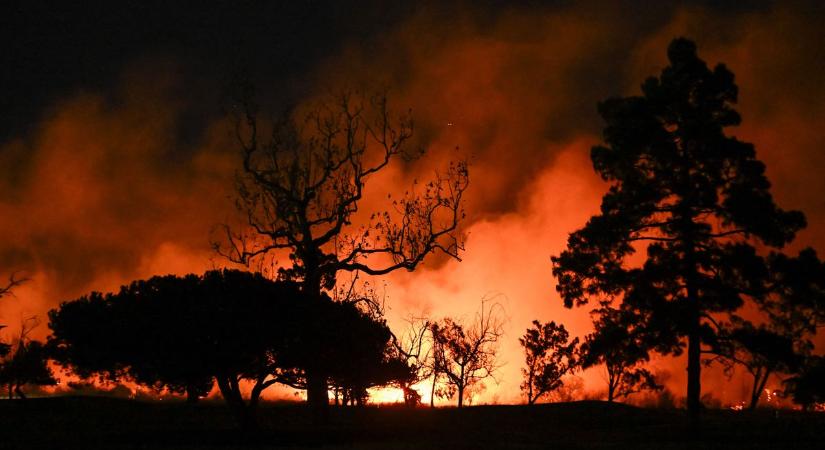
(88, 423)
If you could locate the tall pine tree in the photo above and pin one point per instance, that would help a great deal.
(694, 199)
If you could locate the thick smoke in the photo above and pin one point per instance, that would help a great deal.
(518, 94)
(105, 190)
(101, 194)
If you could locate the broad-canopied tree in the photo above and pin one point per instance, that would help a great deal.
(183, 333)
(248, 324)
(86, 337)
(359, 354)
(164, 352)
(617, 344)
(693, 199)
(549, 355)
(302, 183)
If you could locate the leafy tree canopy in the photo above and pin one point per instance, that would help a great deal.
(693, 199)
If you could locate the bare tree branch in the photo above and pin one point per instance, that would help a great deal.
(13, 282)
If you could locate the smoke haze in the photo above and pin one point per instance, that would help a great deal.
(124, 181)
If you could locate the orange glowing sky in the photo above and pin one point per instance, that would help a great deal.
(99, 191)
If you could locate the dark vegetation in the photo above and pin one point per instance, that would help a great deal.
(303, 181)
(6, 290)
(90, 423)
(549, 355)
(465, 355)
(26, 363)
(186, 334)
(697, 204)
(618, 346)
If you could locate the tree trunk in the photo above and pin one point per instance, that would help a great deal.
(460, 395)
(694, 388)
(694, 369)
(317, 398)
(232, 396)
(530, 398)
(432, 392)
(759, 382)
(251, 411)
(317, 395)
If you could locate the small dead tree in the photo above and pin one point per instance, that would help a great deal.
(412, 348)
(302, 183)
(466, 355)
(6, 290)
(26, 363)
(12, 283)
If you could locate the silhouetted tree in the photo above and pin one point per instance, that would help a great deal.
(13, 282)
(414, 349)
(763, 352)
(795, 302)
(87, 335)
(549, 355)
(466, 356)
(618, 345)
(694, 199)
(145, 332)
(360, 355)
(808, 386)
(180, 333)
(793, 307)
(27, 363)
(302, 185)
(250, 323)
(166, 352)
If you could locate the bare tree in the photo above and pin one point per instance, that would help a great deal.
(26, 363)
(303, 182)
(466, 355)
(412, 347)
(12, 283)
(6, 290)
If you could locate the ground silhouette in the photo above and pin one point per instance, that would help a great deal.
(90, 423)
